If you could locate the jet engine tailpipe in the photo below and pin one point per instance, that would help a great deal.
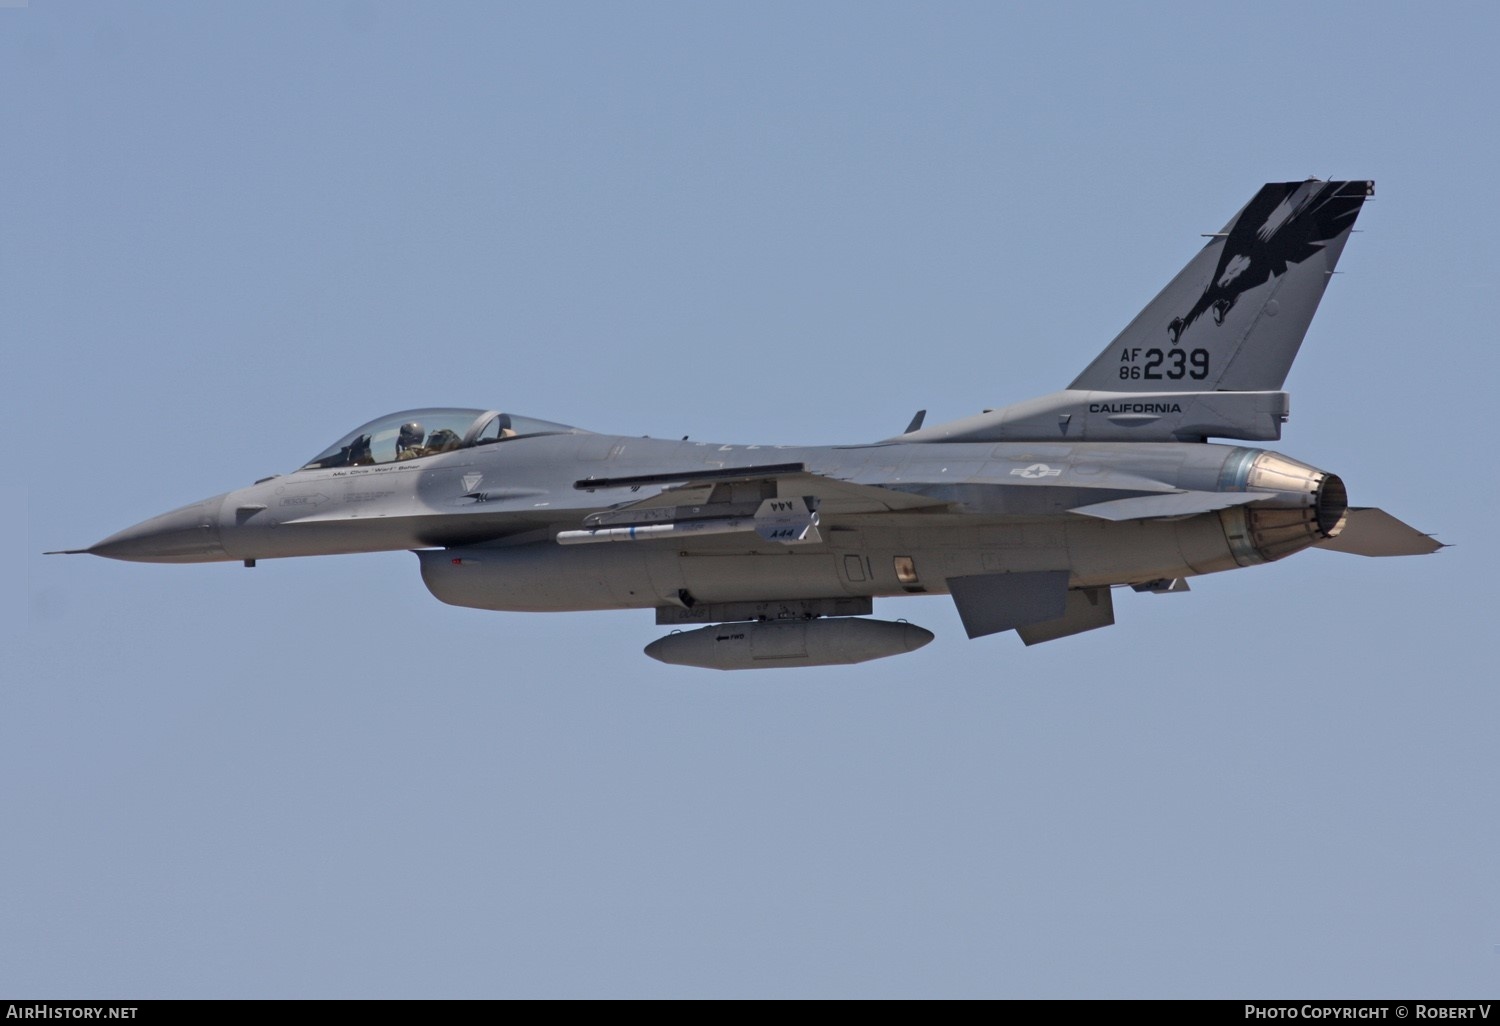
(1304, 506)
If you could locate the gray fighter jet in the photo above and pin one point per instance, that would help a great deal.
(1027, 516)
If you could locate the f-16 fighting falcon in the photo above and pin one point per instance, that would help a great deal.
(766, 556)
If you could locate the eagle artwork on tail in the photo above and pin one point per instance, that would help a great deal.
(1284, 224)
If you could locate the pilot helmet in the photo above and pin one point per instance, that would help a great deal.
(443, 439)
(410, 435)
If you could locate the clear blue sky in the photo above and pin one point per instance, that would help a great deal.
(234, 231)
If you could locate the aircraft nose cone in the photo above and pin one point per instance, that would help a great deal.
(186, 535)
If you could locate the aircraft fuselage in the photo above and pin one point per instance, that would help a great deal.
(485, 520)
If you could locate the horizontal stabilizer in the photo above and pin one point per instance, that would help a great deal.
(1374, 532)
(1174, 504)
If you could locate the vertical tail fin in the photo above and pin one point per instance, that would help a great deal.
(1234, 317)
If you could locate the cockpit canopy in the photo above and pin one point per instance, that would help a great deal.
(412, 434)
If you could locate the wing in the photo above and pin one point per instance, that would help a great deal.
(745, 484)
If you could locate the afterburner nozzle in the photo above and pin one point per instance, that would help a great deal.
(1303, 506)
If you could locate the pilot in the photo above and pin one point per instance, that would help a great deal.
(442, 440)
(409, 441)
(357, 454)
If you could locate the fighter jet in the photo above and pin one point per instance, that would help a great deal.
(1028, 516)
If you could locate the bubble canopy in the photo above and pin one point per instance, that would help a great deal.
(414, 434)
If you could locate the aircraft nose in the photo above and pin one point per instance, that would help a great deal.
(186, 535)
